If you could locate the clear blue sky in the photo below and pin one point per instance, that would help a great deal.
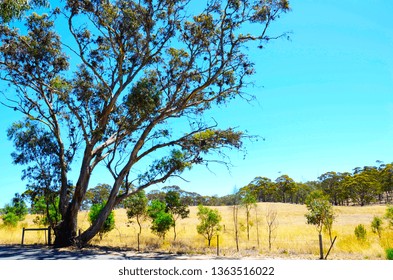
(324, 101)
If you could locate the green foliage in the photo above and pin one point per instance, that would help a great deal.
(14, 212)
(285, 187)
(36, 149)
(155, 207)
(98, 195)
(376, 226)
(171, 204)
(320, 211)
(208, 139)
(10, 219)
(14, 9)
(263, 188)
(363, 186)
(386, 178)
(19, 207)
(389, 215)
(389, 253)
(176, 161)
(136, 206)
(48, 211)
(209, 222)
(144, 100)
(162, 221)
(109, 223)
(361, 233)
(176, 208)
(247, 200)
(331, 184)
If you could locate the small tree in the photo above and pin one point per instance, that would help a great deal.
(320, 214)
(109, 223)
(361, 233)
(47, 211)
(19, 207)
(376, 226)
(176, 208)
(136, 206)
(162, 223)
(235, 216)
(248, 200)
(98, 194)
(14, 212)
(389, 215)
(161, 220)
(272, 224)
(10, 219)
(209, 222)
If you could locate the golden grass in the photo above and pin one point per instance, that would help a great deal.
(294, 238)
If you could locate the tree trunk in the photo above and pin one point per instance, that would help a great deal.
(65, 232)
(248, 223)
(320, 247)
(235, 222)
(257, 224)
(97, 225)
(113, 200)
(139, 224)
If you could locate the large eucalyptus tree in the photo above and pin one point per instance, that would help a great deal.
(126, 83)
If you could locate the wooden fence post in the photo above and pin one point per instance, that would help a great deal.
(23, 235)
(218, 245)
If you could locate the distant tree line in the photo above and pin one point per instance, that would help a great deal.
(363, 186)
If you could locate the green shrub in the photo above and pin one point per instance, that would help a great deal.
(47, 211)
(389, 215)
(209, 222)
(360, 233)
(109, 223)
(14, 212)
(162, 221)
(376, 226)
(10, 219)
(389, 253)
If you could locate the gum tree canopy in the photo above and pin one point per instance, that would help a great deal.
(125, 84)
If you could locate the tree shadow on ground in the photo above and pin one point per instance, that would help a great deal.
(36, 252)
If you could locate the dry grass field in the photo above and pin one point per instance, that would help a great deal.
(293, 237)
